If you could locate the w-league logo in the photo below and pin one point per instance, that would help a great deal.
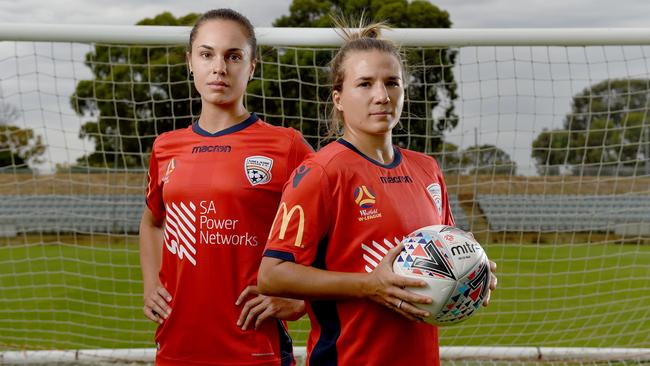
(180, 230)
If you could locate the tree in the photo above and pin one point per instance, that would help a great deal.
(606, 132)
(428, 110)
(19, 147)
(137, 93)
(487, 159)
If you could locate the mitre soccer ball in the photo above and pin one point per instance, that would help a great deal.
(454, 266)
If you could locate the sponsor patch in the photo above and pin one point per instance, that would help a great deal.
(365, 198)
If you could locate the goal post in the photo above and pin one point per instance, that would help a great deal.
(543, 136)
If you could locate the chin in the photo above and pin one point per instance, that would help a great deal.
(382, 128)
(218, 99)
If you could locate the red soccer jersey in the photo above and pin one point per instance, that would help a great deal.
(342, 211)
(218, 194)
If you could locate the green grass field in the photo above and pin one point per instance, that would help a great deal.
(88, 295)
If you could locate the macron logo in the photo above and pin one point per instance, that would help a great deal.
(397, 179)
(211, 148)
(300, 173)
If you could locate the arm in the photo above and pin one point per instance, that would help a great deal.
(156, 296)
(257, 307)
(283, 278)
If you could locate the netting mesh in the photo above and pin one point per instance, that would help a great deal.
(546, 152)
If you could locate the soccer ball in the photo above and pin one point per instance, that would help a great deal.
(454, 266)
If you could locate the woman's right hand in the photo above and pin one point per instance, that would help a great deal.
(385, 287)
(156, 306)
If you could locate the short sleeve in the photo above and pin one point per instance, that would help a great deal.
(300, 149)
(302, 220)
(154, 197)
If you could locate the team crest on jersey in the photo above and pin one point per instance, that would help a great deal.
(170, 169)
(436, 194)
(258, 169)
(365, 198)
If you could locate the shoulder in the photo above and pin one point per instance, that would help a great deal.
(279, 132)
(168, 138)
(327, 161)
(418, 158)
(332, 157)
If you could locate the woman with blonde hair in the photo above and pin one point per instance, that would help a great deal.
(343, 214)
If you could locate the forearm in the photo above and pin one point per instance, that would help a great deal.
(151, 239)
(288, 279)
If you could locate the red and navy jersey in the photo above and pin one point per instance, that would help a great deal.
(342, 211)
(218, 194)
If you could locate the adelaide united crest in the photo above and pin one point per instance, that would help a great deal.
(258, 169)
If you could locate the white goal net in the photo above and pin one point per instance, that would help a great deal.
(544, 139)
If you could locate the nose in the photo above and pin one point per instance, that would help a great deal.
(219, 66)
(381, 94)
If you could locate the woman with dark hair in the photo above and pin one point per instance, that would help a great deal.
(213, 189)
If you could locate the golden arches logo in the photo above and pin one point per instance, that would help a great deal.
(364, 197)
(286, 219)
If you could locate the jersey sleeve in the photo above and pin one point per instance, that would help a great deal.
(300, 149)
(302, 220)
(154, 197)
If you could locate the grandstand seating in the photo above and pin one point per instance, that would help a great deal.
(81, 214)
(459, 214)
(536, 213)
(563, 213)
(94, 214)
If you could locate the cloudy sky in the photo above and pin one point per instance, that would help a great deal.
(464, 13)
(506, 99)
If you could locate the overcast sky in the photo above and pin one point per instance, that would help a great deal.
(464, 13)
(505, 102)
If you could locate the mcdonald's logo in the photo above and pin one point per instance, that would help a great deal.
(286, 219)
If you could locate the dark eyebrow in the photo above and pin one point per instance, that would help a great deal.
(368, 78)
(229, 50)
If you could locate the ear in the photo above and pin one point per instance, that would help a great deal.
(336, 98)
(253, 65)
(188, 59)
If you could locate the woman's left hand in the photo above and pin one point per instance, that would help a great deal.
(260, 307)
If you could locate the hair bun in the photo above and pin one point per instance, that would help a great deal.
(363, 30)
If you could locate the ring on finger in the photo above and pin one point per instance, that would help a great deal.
(399, 304)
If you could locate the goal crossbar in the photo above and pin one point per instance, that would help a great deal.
(267, 36)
